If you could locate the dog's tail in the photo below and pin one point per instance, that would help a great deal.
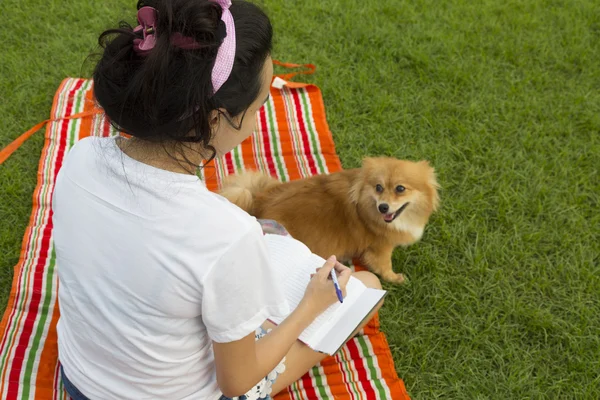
(242, 189)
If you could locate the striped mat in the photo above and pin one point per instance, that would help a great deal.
(291, 140)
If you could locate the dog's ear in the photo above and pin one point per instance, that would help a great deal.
(355, 187)
(359, 180)
(431, 182)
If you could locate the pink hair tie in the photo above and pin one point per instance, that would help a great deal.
(226, 54)
(147, 17)
(147, 25)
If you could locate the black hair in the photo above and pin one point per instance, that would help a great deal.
(168, 93)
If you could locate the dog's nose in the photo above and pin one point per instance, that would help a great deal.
(384, 208)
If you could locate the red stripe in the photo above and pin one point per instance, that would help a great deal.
(32, 312)
(264, 129)
(363, 379)
(229, 163)
(303, 133)
(106, 127)
(308, 387)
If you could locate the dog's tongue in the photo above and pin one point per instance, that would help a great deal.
(388, 217)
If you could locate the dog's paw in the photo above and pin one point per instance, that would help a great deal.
(395, 278)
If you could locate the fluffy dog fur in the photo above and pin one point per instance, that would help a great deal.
(364, 212)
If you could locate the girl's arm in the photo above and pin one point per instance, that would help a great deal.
(243, 363)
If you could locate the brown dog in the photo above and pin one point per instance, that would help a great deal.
(364, 212)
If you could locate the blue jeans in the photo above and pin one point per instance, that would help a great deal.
(71, 390)
(75, 394)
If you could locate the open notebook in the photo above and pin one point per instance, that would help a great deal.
(335, 326)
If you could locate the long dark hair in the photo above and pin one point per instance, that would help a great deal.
(166, 94)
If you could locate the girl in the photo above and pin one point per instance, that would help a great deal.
(164, 286)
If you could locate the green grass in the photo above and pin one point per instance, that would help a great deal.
(502, 96)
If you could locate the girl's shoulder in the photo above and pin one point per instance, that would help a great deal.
(227, 218)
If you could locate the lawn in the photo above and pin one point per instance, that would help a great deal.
(503, 97)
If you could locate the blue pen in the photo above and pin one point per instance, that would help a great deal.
(338, 291)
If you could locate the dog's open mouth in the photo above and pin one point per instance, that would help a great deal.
(392, 216)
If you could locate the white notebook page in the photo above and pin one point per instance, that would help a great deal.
(296, 263)
(338, 333)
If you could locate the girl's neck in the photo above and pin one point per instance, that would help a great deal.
(182, 158)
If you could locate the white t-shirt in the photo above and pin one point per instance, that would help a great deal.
(152, 268)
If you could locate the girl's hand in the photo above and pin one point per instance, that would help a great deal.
(320, 292)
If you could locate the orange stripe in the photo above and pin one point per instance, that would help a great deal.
(44, 393)
(210, 176)
(373, 326)
(48, 358)
(335, 379)
(283, 395)
(248, 155)
(381, 349)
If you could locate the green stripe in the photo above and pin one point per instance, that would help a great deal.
(41, 325)
(275, 139)
(113, 131)
(375, 376)
(313, 137)
(237, 158)
(319, 383)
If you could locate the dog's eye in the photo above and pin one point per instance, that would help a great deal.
(379, 188)
(400, 189)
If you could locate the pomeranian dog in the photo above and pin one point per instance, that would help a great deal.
(358, 213)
